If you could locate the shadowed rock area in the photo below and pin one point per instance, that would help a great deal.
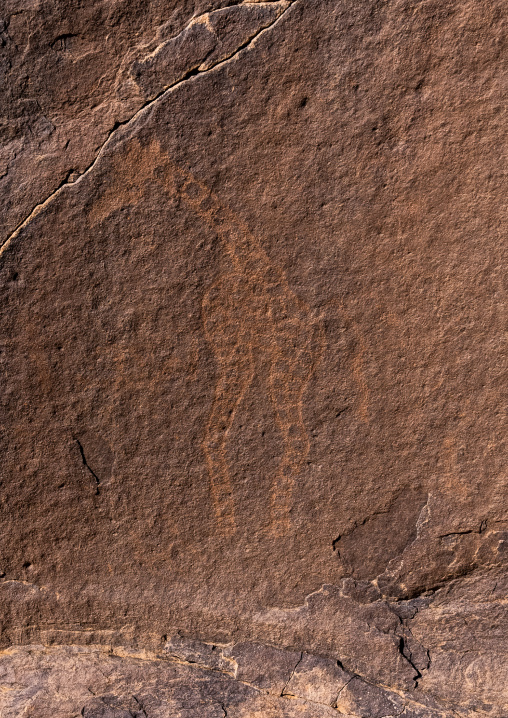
(253, 348)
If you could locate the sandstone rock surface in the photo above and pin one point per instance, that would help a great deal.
(253, 348)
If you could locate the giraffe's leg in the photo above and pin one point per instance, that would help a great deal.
(236, 376)
(287, 385)
(226, 336)
(295, 450)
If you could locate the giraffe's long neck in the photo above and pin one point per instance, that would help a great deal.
(245, 252)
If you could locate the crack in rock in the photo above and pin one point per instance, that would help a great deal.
(88, 467)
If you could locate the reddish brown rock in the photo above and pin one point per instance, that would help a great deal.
(254, 359)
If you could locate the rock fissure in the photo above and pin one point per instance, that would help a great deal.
(460, 533)
(141, 706)
(340, 691)
(88, 467)
(292, 674)
(406, 653)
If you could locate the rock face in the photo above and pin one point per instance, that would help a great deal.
(252, 276)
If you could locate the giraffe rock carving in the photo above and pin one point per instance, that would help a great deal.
(253, 323)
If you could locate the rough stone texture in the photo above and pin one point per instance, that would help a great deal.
(318, 680)
(253, 348)
(62, 681)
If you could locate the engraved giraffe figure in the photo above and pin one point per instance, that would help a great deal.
(253, 323)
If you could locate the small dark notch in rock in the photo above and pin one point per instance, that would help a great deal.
(459, 533)
(62, 42)
(335, 543)
(339, 412)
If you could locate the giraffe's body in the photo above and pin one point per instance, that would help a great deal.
(253, 323)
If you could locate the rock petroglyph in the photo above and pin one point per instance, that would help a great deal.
(255, 325)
